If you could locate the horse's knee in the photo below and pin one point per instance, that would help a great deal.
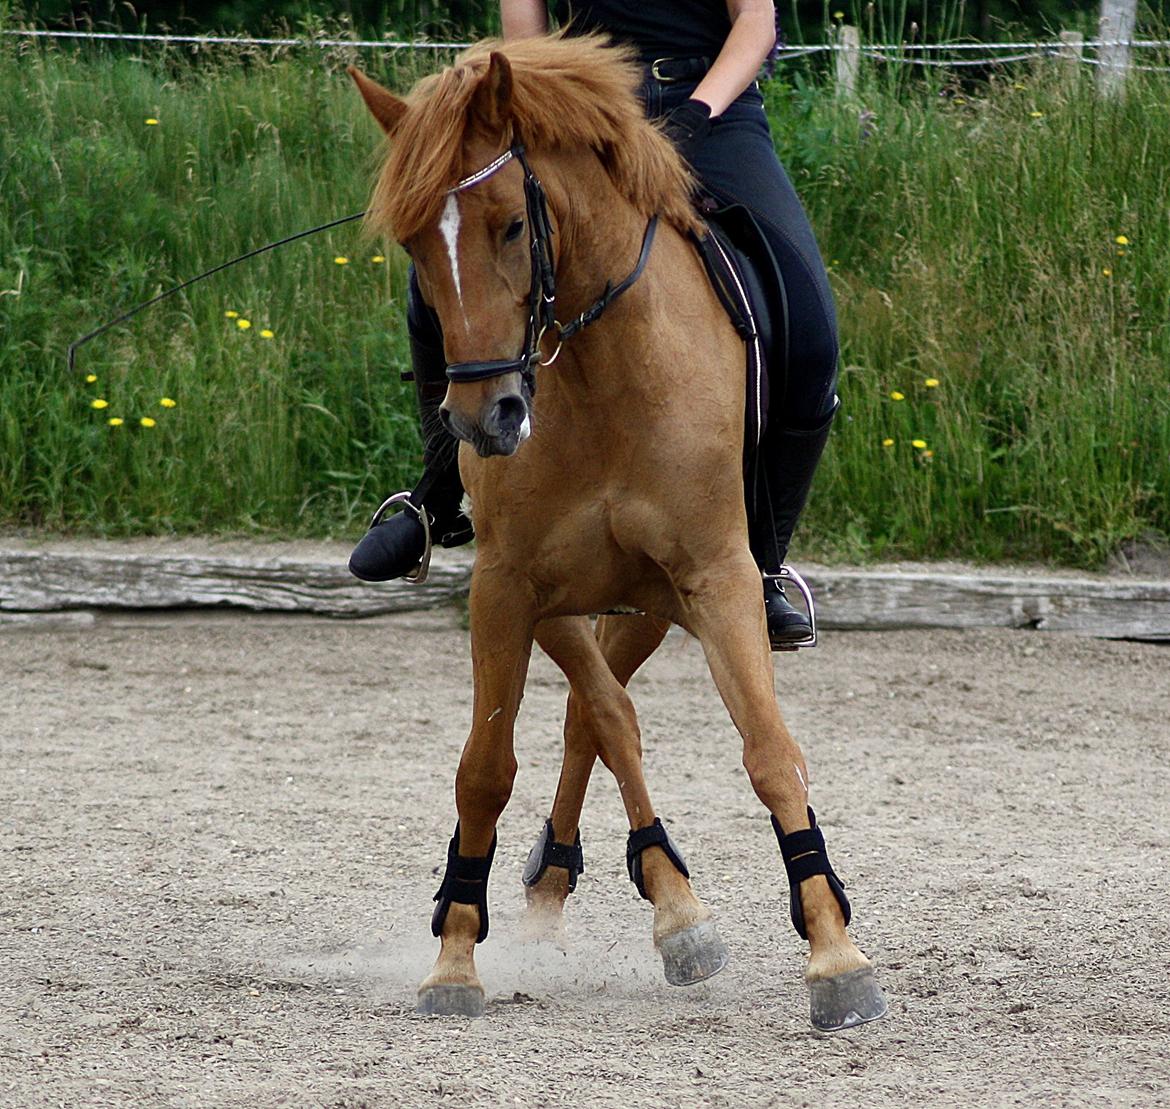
(773, 780)
(487, 787)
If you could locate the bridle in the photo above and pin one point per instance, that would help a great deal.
(542, 292)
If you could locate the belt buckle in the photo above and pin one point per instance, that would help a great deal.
(661, 77)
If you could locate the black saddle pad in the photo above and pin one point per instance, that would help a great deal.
(745, 276)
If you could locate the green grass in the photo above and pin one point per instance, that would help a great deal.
(968, 239)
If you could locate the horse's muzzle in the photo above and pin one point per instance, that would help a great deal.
(503, 425)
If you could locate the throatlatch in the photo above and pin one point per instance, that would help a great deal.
(655, 835)
(465, 882)
(547, 852)
(804, 855)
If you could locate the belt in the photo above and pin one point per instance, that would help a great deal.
(669, 70)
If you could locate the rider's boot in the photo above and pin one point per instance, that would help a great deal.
(395, 546)
(788, 462)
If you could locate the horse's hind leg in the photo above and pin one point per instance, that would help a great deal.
(626, 642)
(723, 610)
(683, 933)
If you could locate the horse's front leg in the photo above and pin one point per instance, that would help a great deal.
(723, 609)
(626, 642)
(501, 644)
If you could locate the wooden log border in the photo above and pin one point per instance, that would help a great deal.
(33, 581)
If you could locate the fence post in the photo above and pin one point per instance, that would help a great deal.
(848, 59)
(1115, 27)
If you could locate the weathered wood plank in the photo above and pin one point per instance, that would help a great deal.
(32, 581)
(1113, 608)
(47, 580)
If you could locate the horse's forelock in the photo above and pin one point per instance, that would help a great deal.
(567, 93)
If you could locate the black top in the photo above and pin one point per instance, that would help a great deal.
(658, 28)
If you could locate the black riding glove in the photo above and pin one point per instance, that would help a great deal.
(688, 125)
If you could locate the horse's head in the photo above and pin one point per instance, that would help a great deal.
(474, 264)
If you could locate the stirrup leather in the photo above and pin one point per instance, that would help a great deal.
(654, 835)
(547, 852)
(788, 574)
(419, 574)
(464, 883)
(804, 856)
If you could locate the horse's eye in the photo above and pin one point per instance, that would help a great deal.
(513, 232)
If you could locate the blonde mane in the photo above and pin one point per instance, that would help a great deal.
(568, 94)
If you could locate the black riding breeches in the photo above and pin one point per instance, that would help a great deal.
(737, 164)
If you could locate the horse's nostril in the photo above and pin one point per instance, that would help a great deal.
(507, 415)
(445, 420)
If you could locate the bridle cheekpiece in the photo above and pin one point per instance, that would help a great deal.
(542, 294)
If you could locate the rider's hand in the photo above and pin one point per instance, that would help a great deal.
(688, 125)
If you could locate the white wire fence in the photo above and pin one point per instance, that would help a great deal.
(916, 54)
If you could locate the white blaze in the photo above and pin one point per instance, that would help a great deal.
(449, 229)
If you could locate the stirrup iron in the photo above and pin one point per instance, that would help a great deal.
(787, 573)
(419, 574)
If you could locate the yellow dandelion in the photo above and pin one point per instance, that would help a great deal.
(243, 325)
(1018, 87)
(838, 16)
(1107, 272)
(99, 403)
(90, 378)
(152, 122)
(146, 421)
(931, 383)
(1121, 254)
(267, 334)
(1121, 240)
(1037, 115)
(231, 314)
(887, 442)
(167, 402)
(115, 421)
(378, 259)
(340, 260)
(918, 444)
(960, 100)
(895, 395)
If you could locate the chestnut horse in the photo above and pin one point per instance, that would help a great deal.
(525, 180)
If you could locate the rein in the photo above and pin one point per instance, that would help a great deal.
(542, 294)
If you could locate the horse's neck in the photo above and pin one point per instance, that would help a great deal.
(601, 235)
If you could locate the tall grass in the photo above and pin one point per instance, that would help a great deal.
(968, 234)
(1009, 243)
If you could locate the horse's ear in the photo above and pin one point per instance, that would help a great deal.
(492, 102)
(384, 106)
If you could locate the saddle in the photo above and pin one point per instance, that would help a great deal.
(747, 280)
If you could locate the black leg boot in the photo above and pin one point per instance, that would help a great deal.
(788, 461)
(395, 546)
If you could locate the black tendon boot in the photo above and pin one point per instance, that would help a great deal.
(788, 461)
(395, 546)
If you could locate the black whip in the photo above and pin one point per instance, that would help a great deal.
(186, 284)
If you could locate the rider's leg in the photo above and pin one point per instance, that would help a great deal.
(737, 163)
(788, 463)
(395, 546)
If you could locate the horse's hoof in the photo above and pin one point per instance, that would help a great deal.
(693, 954)
(846, 1000)
(450, 1001)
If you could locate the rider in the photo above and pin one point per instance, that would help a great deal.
(701, 59)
